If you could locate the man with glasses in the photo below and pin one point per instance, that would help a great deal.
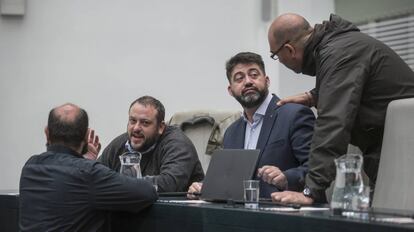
(281, 133)
(356, 77)
(167, 155)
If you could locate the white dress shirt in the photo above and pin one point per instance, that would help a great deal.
(253, 129)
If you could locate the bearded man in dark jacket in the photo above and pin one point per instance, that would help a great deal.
(356, 77)
(167, 155)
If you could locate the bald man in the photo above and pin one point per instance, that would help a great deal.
(62, 190)
(356, 77)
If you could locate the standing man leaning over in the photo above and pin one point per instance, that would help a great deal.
(356, 77)
(62, 191)
(167, 154)
(282, 133)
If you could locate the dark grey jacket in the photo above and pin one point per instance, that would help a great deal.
(173, 161)
(284, 142)
(62, 191)
(356, 77)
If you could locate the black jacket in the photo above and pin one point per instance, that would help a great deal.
(173, 161)
(62, 191)
(356, 77)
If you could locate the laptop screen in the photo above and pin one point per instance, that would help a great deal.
(226, 172)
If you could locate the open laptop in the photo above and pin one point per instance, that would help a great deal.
(226, 172)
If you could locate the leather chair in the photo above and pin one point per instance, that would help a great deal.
(205, 128)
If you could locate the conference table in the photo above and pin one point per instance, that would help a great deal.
(179, 214)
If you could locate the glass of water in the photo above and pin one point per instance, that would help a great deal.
(362, 199)
(130, 164)
(251, 194)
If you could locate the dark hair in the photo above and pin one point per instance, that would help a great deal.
(244, 58)
(148, 100)
(65, 130)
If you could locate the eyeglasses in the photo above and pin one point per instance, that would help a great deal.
(274, 54)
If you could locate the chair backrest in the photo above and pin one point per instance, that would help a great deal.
(395, 181)
(205, 128)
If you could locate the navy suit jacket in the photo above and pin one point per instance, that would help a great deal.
(284, 142)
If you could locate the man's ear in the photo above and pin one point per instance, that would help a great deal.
(47, 135)
(292, 50)
(87, 135)
(84, 144)
(161, 128)
(229, 91)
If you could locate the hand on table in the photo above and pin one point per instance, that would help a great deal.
(195, 187)
(290, 197)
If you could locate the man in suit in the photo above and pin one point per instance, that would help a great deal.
(282, 134)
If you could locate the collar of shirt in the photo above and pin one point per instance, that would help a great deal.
(57, 148)
(260, 112)
(252, 131)
(130, 149)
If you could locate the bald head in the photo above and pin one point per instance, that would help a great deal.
(286, 27)
(67, 125)
(66, 112)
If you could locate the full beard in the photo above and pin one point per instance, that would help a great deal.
(148, 142)
(253, 99)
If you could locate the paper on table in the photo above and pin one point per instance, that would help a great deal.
(400, 220)
(290, 209)
(313, 209)
(185, 201)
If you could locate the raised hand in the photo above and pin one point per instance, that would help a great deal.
(94, 146)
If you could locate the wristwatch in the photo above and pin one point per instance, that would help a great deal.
(307, 192)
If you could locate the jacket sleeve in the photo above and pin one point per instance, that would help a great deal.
(227, 138)
(105, 158)
(115, 192)
(300, 134)
(178, 161)
(341, 82)
(110, 155)
(234, 135)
